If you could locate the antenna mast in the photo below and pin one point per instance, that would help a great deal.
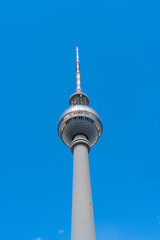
(78, 80)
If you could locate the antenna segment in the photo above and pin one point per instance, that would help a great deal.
(78, 72)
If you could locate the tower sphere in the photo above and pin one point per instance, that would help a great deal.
(79, 118)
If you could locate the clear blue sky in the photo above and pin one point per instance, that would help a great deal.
(119, 47)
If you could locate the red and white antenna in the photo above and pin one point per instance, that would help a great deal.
(78, 89)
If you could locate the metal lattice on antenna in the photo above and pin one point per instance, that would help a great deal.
(78, 80)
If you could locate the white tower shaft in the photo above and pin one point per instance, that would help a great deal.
(82, 209)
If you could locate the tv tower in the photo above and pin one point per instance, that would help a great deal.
(80, 127)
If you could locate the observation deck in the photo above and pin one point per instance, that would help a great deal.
(79, 118)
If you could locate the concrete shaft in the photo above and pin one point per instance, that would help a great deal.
(82, 209)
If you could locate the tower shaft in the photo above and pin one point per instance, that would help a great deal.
(82, 209)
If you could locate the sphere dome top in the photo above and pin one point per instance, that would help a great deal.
(78, 98)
